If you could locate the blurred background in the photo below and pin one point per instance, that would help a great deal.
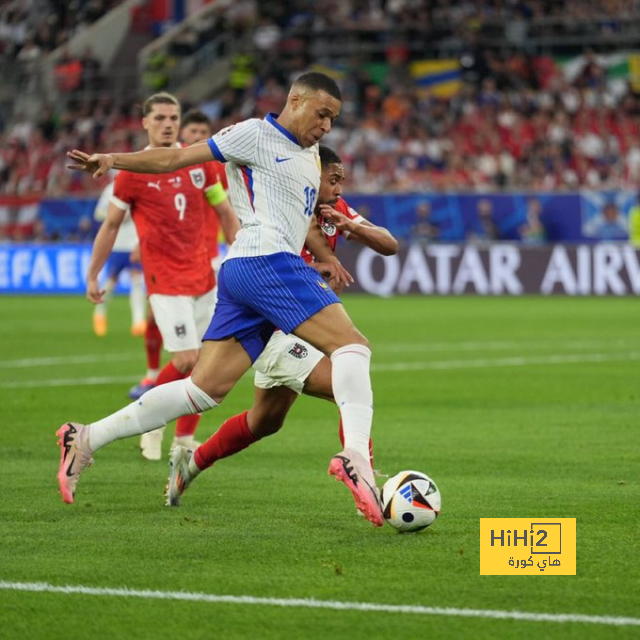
(464, 124)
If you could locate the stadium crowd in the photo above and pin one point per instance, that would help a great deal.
(40, 26)
(516, 121)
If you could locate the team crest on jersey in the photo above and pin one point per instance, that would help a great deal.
(176, 182)
(328, 228)
(181, 330)
(197, 177)
(298, 351)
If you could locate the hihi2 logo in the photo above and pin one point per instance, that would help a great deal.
(527, 546)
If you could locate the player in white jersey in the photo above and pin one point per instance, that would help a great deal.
(288, 366)
(274, 175)
(120, 259)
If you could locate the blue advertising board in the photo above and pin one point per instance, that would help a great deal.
(46, 269)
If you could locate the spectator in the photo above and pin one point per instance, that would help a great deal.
(68, 72)
(486, 230)
(91, 78)
(532, 232)
(610, 224)
(423, 231)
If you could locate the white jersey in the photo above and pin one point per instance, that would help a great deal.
(273, 186)
(127, 238)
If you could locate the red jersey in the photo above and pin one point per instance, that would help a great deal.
(170, 212)
(331, 233)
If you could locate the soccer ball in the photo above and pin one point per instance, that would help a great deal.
(410, 501)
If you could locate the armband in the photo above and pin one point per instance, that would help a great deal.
(216, 194)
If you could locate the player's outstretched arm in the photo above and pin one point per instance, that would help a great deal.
(147, 161)
(102, 246)
(377, 238)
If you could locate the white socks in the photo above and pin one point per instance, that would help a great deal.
(351, 384)
(153, 410)
(101, 308)
(137, 299)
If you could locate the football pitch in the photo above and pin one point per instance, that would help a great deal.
(524, 407)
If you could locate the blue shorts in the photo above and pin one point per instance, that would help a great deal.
(256, 295)
(118, 262)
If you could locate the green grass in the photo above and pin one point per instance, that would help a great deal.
(495, 398)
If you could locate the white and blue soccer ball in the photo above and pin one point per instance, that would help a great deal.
(410, 501)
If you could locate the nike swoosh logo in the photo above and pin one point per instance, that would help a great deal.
(279, 160)
(69, 470)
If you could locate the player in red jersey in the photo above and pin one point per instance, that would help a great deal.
(170, 211)
(195, 126)
(288, 366)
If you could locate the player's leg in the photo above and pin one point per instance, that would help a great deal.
(116, 263)
(228, 362)
(281, 371)
(203, 309)
(318, 385)
(298, 301)
(223, 360)
(266, 417)
(137, 300)
(153, 347)
(176, 319)
(332, 331)
(100, 322)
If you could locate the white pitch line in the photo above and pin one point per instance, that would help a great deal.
(61, 360)
(311, 603)
(503, 345)
(68, 382)
(383, 347)
(515, 361)
(438, 365)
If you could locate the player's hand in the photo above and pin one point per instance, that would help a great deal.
(341, 222)
(135, 255)
(334, 272)
(97, 164)
(94, 293)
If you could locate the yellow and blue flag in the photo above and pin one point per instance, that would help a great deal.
(441, 78)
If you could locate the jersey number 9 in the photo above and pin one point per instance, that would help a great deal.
(180, 201)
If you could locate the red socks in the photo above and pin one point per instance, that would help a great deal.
(152, 344)
(231, 437)
(187, 425)
(169, 373)
(341, 434)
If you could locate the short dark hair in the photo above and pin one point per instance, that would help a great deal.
(319, 82)
(195, 116)
(328, 156)
(159, 98)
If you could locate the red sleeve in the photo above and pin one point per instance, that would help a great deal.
(124, 187)
(222, 174)
(344, 208)
(211, 174)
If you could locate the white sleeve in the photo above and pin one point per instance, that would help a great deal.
(236, 143)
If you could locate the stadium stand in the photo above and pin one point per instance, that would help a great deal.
(477, 96)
